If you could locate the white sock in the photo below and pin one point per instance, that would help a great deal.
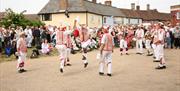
(109, 68)
(101, 67)
(85, 61)
(62, 63)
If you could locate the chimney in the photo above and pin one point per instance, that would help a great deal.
(108, 3)
(63, 4)
(133, 6)
(137, 7)
(148, 6)
(94, 1)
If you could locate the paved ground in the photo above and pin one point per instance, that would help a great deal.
(130, 73)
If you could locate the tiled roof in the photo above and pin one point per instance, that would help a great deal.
(82, 6)
(32, 16)
(53, 6)
(147, 15)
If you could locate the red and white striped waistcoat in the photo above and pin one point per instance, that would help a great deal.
(68, 41)
(22, 47)
(161, 33)
(109, 42)
(84, 36)
(60, 37)
(120, 35)
(155, 36)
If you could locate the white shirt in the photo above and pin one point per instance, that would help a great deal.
(140, 33)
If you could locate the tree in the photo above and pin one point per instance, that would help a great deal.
(13, 19)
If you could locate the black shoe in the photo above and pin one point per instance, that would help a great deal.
(61, 70)
(68, 64)
(101, 73)
(149, 54)
(127, 53)
(20, 71)
(23, 70)
(154, 57)
(109, 75)
(159, 67)
(137, 53)
(85, 65)
(140, 53)
(156, 61)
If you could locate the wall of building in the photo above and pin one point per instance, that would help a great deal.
(125, 20)
(108, 20)
(133, 21)
(118, 20)
(94, 20)
(140, 21)
(61, 18)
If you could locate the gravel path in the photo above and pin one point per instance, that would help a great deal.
(130, 73)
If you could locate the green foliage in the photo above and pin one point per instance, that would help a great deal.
(13, 19)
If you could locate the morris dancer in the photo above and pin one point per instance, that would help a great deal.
(106, 50)
(85, 42)
(21, 52)
(61, 47)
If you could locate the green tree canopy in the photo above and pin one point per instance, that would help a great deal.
(12, 19)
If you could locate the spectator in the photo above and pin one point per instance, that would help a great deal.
(36, 35)
(1, 37)
(29, 36)
(172, 36)
(45, 47)
(177, 38)
(168, 38)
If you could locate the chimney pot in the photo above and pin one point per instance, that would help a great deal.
(108, 3)
(137, 7)
(148, 6)
(133, 6)
(94, 1)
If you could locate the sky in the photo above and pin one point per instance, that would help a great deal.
(34, 6)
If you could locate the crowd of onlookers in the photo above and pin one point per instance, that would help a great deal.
(43, 38)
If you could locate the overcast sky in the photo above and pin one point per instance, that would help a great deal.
(34, 6)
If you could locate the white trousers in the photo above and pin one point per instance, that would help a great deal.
(123, 43)
(123, 46)
(160, 54)
(106, 58)
(139, 46)
(86, 43)
(21, 59)
(68, 52)
(62, 53)
(148, 45)
(84, 46)
(155, 48)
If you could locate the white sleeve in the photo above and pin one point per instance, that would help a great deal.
(18, 43)
(103, 40)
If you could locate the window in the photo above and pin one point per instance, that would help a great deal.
(47, 17)
(104, 19)
(178, 15)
